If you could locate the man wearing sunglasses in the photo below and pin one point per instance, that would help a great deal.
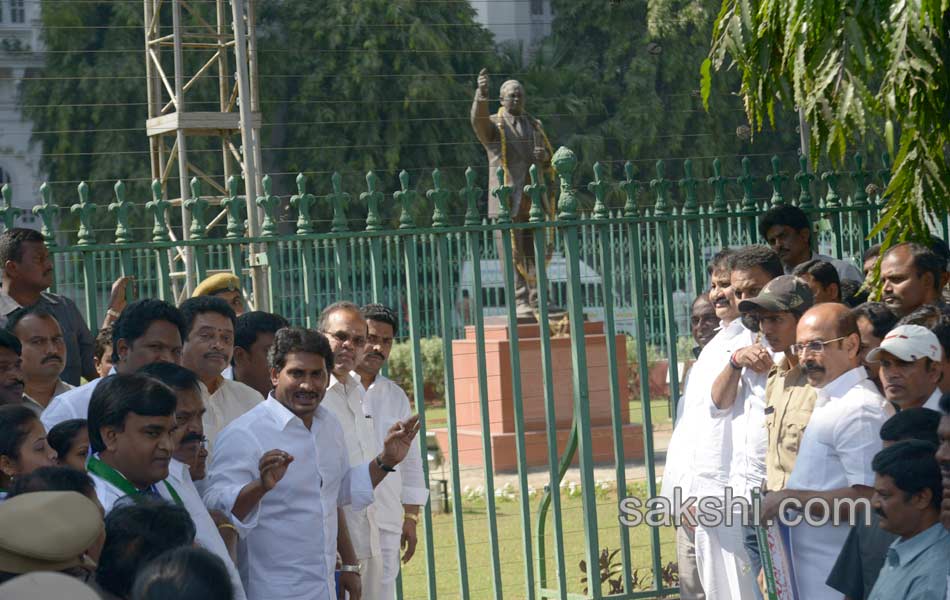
(836, 451)
(345, 327)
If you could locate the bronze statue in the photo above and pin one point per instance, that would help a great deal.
(513, 140)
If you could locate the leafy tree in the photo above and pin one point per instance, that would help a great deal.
(855, 69)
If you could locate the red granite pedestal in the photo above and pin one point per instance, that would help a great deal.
(500, 399)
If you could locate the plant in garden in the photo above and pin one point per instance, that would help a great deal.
(433, 366)
(852, 68)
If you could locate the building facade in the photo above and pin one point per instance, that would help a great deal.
(20, 55)
(518, 23)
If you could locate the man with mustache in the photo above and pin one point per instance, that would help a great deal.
(910, 366)
(27, 272)
(865, 549)
(835, 453)
(684, 471)
(253, 336)
(907, 496)
(211, 527)
(875, 320)
(132, 434)
(346, 329)
(11, 369)
(787, 230)
(44, 355)
(147, 331)
(285, 500)
(936, 318)
(913, 275)
(209, 344)
(401, 494)
(703, 322)
(738, 398)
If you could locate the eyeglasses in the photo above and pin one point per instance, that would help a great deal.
(815, 347)
(343, 337)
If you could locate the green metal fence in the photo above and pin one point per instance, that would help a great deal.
(630, 249)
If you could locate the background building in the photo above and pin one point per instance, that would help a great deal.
(20, 54)
(521, 23)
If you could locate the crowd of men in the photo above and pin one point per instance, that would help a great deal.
(806, 395)
(212, 454)
(220, 454)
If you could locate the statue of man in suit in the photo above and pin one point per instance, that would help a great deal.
(513, 140)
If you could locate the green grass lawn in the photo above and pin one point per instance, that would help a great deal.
(511, 549)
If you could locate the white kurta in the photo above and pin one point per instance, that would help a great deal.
(207, 534)
(231, 400)
(836, 451)
(283, 550)
(73, 404)
(387, 403)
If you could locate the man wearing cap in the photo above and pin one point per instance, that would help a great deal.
(834, 457)
(739, 394)
(226, 286)
(49, 531)
(910, 357)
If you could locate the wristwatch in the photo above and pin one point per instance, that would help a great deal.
(383, 466)
(357, 568)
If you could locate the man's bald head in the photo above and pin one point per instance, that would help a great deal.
(828, 343)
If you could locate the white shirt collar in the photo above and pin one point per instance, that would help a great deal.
(840, 386)
(933, 402)
(280, 413)
(350, 380)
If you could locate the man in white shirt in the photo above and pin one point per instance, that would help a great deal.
(209, 344)
(400, 495)
(690, 466)
(910, 357)
(344, 326)
(269, 470)
(787, 230)
(737, 396)
(146, 332)
(44, 354)
(189, 410)
(842, 437)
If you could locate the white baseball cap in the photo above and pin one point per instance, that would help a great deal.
(908, 343)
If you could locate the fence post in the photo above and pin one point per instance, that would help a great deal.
(748, 206)
(123, 232)
(439, 197)
(372, 198)
(86, 210)
(271, 204)
(859, 202)
(8, 212)
(235, 206)
(630, 186)
(158, 207)
(833, 203)
(48, 211)
(556, 468)
(720, 207)
(565, 163)
(304, 203)
(600, 187)
(776, 179)
(691, 212)
(197, 206)
(341, 263)
(471, 194)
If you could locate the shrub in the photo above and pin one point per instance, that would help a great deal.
(433, 367)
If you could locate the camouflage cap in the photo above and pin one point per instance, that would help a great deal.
(783, 294)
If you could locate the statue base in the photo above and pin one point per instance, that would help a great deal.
(500, 398)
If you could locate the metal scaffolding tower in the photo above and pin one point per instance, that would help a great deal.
(208, 44)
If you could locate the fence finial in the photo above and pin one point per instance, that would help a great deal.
(471, 193)
(236, 206)
(630, 187)
(85, 209)
(535, 190)
(719, 183)
(599, 187)
(197, 206)
(10, 213)
(47, 212)
(158, 207)
(503, 194)
(860, 178)
(804, 179)
(439, 197)
(662, 187)
(565, 162)
(688, 183)
(832, 199)
(405, 196)
(747, 180)
(271, 205)
(338, 199)
(372, 197)
(121, 207)
(776, 179)
(303, 203)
